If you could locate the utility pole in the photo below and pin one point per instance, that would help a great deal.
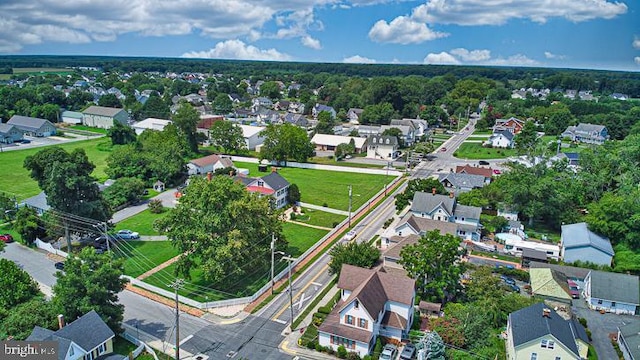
(106, 235)
(176, 285)
(273, 257)
(290, 260)
(350, 197)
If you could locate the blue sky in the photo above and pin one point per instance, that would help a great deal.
(594, 34)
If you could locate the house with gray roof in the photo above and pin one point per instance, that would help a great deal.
(318, 108)
(629, 340)
(587, 133)
(612, 292)
(33, 126)
(461, 182)
(273, 185)
(501, 139)
(444, 208)
(408, 132)
(10, 133)
(86, 338)
(372, 303)
(382, 147)
(104, 117)
(38, 203)
(577, 242)
(538, 332)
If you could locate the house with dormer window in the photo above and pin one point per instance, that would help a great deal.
(445, 208)
(273, 185)
(372, 303)
(382, 147)
(587, 133)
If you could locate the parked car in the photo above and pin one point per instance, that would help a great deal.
(408, 352)
(6, 238)
(349, 236)
(514, 288)
(25, 141)
(507, 280)
(497, 172)
(483, 162)
(59, 265)
(128, 234)
(443, 149)
(574, 290)
(389, 352)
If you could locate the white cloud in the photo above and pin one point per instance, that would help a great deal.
(636, 43)
(552, 56)
(443, 58)
(498, 12)
(473, 55)
(514, 60)
(357, 59)
(403, 30)
(637, 60)
(236, 49)
(310, 42)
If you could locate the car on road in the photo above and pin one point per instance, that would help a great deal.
(6, 238)
(483, 162)
(514, 288)
(389, 352)
(128, 234)
(507, 280)
(59, 265)
(408, 352)
(497, 172)
(574, 290)
(443, 149)
(349, 236)
(25, 141)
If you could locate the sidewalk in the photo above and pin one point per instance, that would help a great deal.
(325, 209)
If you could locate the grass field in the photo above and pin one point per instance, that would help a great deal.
(475, 151)
(331, 187)
(88, 128)
(320, 218)
(37, 71)
(326, 161)
(144, 255)
(15, 179)
(7, 228)
(301, 237)
(141, 222)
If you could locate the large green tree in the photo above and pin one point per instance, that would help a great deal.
(20, 320)
(186, 119)
(527, 140)
(224, 229)
(325, 123)
(110, 100)
(28, 224)
(434, 262)
(424, 185)
(285, 142)
(227, 136)
(18, 286)
(222, 104)
(155, 107)
(124, 190)
(361, 254)
(121, 134)
(91, 281)
(270, 89)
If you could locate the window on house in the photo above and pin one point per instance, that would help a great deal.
(613, 304)
(600, 302)
(462, 218)
(260, 183)
(71, 351)
(534, 356)
(543, 343)
(558, 358)
(348, 319)
(356, 304)
(363, 323)
(550, 344)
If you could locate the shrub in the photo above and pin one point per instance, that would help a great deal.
(312, 344)
(292, 216)
(342, 352)
(319, 347)
(330, 350)
(155, 206)
(377, 349)
(335, 224)
(324, 309)
(353, 356)
(583, 322)
(387, 223)
(325, 205)
(367, 357)
(588, 334)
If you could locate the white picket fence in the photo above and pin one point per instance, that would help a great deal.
(48, 247)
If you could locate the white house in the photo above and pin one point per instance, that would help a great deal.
(372, 303)
(273, 185)
(325, 142)
(501, 139)
(150, 124)
(354, 114)
(207, 164)
(629, 340)
(33, 126)
(251, 135)
(612, 292)
(539, 333)
(382, 147)
(408, 131)
(444, 208)
(320, 108)
(104, 117)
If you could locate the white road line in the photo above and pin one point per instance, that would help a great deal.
(300, 302)
(186, 339)
(316, 284)
(280, 321)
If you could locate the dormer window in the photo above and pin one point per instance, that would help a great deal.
(260, 183)
(387, 141)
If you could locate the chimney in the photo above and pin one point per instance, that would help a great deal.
(433, 191)
(546, 313)
(60, 321)
(209, 175)
(451, 194)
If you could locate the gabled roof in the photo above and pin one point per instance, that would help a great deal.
(463, 180)
(426, 202)
(507, 134)
(529, 324)
(275, 181)
(102, 111)
(27, 123)
(467, 212)
(249, 131)
(583, 127)
(335, 140)
(424, 225)
(474, 170)
(615, 287)
(207, 160)
(332, 325)
(6, 128)
(394, 320)
(549, 283)
(579, 331)
(355, 111)
(38, 201)
(382, 140)
(579, 235)
(631, 335)
(404, 129)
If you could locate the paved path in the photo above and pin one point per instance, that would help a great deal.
(311, 226)
(168, 200)
(151, 238)
(393, 172)
(325, 209)
(159, 267)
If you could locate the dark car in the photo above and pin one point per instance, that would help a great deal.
(408, 352)
(507, 280)
(483, 162)
(514, 288)
(59, 265)
(7, 238)
(25, 141)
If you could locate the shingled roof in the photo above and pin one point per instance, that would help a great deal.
(426, 202)
(578, 235)
(102, 111)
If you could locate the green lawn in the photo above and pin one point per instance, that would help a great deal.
(478, 131)
(141, 222)
(91, 129)
(475, 151)
(7, 228)
(16, 181)
(345, 163)
(142, 256)
(123, 346)
(321, 187)
(301, 237)
(320, 218)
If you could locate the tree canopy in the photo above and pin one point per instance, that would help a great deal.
(186, 119)
(361, 254)
(227, 136)
(285, 142)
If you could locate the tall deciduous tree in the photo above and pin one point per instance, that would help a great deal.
(21, 320)
(222, 104)
(18, 287)
(227, 136)
(28, 224)
(434, 263)
(224, 228)
(186, 119)
(353, 253)
(91, 281)
(109, 100)
(270, 89)
(121, 134)
(425, 185)
(325, 123)
(154, 107)
(527, 140)
(286, 141)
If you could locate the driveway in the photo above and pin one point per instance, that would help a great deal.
(168, 200)
(601, 325)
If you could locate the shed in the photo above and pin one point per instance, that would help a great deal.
(429, 309)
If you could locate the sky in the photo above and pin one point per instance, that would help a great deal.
(589, 34)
